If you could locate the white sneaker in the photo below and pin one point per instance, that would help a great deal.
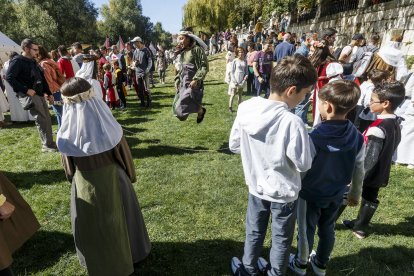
(295, 266)
(318, 270)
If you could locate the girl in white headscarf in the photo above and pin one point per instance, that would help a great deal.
(107, 223)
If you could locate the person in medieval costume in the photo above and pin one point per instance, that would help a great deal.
(108, 227)
(88, 71)
(17, 223)
(189, 80)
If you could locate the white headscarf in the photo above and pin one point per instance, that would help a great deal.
(86, 72)
(392, 55)
(198, 40)
(88, 126)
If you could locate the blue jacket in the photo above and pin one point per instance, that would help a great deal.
(283, 49)
(337, 144)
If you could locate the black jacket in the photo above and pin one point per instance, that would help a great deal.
(24, 73)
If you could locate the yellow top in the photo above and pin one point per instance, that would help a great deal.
(2, 199)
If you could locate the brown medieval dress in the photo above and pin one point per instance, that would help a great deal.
(17, 229)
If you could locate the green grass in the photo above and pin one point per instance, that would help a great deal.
(192, 194)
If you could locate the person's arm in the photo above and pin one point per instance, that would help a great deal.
(374, 146)
(345, 53)
(149, 59)
(123, 64)
(124, 157)
(68, 167)
(299, 150)
(232, 72)
(234, 139)
(45, 85)
(357, 178)
(201, 63)
(106, 82)
(11, 77)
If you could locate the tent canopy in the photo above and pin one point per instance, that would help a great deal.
(6, 46)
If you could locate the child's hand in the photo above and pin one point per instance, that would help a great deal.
(352, 202)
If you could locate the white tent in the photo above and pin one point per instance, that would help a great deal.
(6, 46)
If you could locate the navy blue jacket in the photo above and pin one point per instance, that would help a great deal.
(337, 144)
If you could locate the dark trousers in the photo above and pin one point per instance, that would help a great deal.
(322, 216)
(121, 96)
(143, 90)
(250, 82)
(6, 272)
(370, 193)
(265, 85)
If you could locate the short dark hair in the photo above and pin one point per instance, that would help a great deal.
(377, 76)
(77, 45)
(394, 92)
(328, 32)
(342, 94)
(375, 38)
(292, 71)
(62, 50)
(27, 43)
(106, 66)
(74, 86)
(43, 54)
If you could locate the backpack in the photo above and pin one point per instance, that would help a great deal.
(361, 65)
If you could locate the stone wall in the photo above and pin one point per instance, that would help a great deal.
(381, 18)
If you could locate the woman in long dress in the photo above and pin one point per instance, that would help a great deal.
(17, 113)
(4, 107)
(189, 80)
(107, 223)
(17, 223)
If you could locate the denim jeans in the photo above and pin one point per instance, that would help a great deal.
(58, 109)
(322, 215)
(283, 226)
(302, 109)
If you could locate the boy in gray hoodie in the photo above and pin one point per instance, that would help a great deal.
(274, 147)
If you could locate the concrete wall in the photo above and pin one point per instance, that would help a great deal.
(381, 18)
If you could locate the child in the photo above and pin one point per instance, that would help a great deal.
(334, 71)
(238, 76)
(119, 80)
(274, 147)
(364, 116)
(382, 138)
(338, 158)
(109, 83)
(108, 227)
(161, 65)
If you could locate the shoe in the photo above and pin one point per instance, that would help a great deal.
(263, 266)
(235, 266)
(201, 118)
(317, 269)
(348, 223)
(295, 266)
(49, 149)
(360, 234)
(410, 167)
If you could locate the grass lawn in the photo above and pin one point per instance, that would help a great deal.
(193, 197)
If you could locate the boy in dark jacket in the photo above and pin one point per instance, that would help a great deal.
(382, 138)
(338, 159)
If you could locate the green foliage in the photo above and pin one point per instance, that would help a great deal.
(410, 62)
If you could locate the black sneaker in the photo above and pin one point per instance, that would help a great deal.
(295, 266)
(348, 223)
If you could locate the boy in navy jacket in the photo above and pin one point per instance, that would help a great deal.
(338, 151)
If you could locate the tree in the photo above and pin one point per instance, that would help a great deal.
(160, 36)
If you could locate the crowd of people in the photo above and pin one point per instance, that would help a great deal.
(359, 95)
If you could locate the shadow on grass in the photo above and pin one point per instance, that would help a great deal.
(224, 148)
(162, 150)
(43, 250)
(25, 180)
(203, 257)
(404, 228)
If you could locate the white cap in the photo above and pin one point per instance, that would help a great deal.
(334, 69)
(137, 39)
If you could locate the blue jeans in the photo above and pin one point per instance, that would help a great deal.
(283, 226)
(58, 109)
(265, 85)
(302, 109)
(322, 215)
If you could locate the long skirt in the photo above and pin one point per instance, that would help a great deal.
(17, 229)
(404, 153)
(107, 222)
(17, 113)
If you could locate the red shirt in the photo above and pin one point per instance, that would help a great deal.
(65, 66)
